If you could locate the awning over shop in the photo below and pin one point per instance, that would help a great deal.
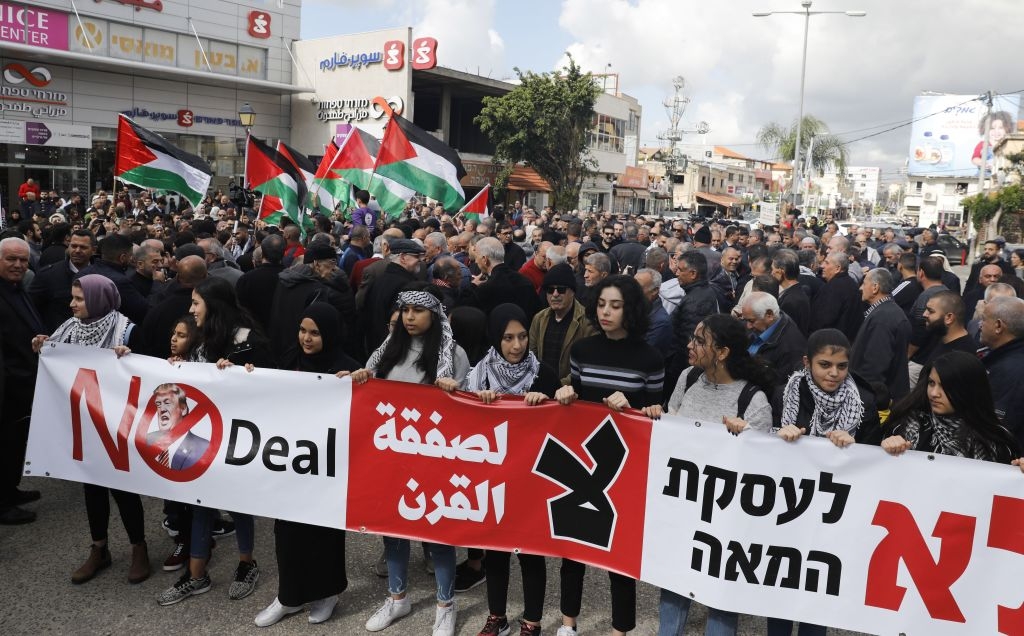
(723, 200)
(526, 179)
(641, 193)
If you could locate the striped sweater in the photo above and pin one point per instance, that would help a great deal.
(600, 367)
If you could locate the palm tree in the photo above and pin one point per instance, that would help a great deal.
(828, 151)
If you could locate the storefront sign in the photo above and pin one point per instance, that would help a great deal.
(33, 26)
(424, 54)
(25, 89)
(349, 110)
(177, 116)
(355, 61)
(259, 24)
(479, 173)
(155, 5)
(394, 55)
(38, 133)
(632, 178)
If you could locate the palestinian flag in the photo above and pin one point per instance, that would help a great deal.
(303, 165)
(329, 188)
(147, 160)
(414, 158)
(479, 207)
(355, 163)
(273, 175)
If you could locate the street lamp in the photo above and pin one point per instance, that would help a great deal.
(247, 116)
(807, 13)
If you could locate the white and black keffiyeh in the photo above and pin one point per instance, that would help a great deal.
(839, 411)
(950, 435)
(107, 332)
(446, 355)
(495, 373)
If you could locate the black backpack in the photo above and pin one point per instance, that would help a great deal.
(746, 393)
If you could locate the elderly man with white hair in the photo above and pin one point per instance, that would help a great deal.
(18, 366)
(776, 338)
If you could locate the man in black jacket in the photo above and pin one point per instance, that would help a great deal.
(515, 257)
(161, 318)
(699, 302)
(630, 252)
(838, 303)
(1002, 331)
(19, 324)
(298, 287)
(879, 353)
(382, 289)
(990, 255)
(793, 300)
(255, 289)
(51, 288)
(115, 256)
(776, 338)
(501, 284)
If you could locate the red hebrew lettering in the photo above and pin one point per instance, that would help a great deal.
(1006, 532)
(87, 385)
(932, 578)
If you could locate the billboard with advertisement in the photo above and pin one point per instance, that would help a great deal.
(946, 136)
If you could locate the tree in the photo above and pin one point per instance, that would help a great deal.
(544, 122)
(990, 207)
(828, 150)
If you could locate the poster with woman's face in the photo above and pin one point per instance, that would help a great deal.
(947, 138)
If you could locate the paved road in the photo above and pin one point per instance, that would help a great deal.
(38, 598)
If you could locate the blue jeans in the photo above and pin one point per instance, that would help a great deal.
(673, 610)
(202, 527)
(784, 627)
(396, 553)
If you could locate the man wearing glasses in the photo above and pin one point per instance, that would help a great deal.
(515, 257)
(555, 329)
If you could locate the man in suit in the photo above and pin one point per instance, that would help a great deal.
(501, 284)
(838, 304)
(879, 353)
(19, 324)
(171, 407)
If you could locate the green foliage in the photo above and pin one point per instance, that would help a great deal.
(543, 123)
(983, 207)
(780, 141)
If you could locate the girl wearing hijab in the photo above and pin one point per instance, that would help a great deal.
(311, 559)
(509, 367)
(95, 322)
(227, 336)
(420, 350)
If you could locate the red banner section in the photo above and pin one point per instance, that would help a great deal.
(446, 469)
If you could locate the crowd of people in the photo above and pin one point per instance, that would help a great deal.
(862, 338)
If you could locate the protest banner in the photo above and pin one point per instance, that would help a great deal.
(849, 537)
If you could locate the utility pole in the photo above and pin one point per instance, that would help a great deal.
(971, 231)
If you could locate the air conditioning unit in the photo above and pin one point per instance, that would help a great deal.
(929, 196)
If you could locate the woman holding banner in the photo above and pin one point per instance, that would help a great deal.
(95, 322)
(951, 412)
(724, 383)
(510, 368)
(618, 368)
(311, 559)
(420, 350)
(227, 336)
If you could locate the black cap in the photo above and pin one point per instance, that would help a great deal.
(320, 250)
(406, 246)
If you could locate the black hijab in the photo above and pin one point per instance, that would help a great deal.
(332, 358)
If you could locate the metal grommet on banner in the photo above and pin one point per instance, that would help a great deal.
(697, 424)
(692, 596)
(362, 528)
(199, 501)
(28, 472)
(319, 377)
(28, 463)
(931, 458)
(47, 474)
(515, 550)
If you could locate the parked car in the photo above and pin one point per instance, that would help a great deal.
(954, 249)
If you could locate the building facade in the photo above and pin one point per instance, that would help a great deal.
(182, 68)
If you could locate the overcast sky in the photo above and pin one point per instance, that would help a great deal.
(741, 72)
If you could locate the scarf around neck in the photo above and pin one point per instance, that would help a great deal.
(105, 332)
(497, 374)
(842, 410)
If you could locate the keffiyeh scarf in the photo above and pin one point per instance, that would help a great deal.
(107, 332)
(497, 374)
(839, 411)
(950, 436)
(446, 355)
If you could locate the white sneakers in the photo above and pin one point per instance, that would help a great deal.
(275, 612)
(389, 612)
(444, 621)
(320, 611)
(565, 630)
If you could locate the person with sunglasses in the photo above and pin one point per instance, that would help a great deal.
(555, 328)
